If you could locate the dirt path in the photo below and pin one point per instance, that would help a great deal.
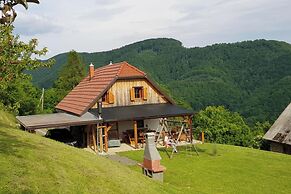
(123, 160)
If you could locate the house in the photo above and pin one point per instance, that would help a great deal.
(279, 134)
(116, 102)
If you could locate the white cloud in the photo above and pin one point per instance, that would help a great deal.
(35, 24)
(98, 25)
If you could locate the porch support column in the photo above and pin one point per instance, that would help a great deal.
(93, 127)
(135, 134)
(88, 135)
(101, 139)
(106, 138)
(190, 127)
(106, 130)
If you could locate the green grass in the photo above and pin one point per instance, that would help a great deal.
(7, 120)
(232, 170)
(33, 164)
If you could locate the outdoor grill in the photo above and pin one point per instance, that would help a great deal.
(151, 166)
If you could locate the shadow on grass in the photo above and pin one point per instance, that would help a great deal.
(10, 145)
(5, 125)
(183, 150)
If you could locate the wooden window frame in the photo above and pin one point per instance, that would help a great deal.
(138, 92)
(108, 98)
(105, 98)
(139, 95)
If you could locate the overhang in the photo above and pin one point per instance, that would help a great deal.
(32, 122)
(141, 112)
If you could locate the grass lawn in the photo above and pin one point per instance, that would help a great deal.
(232, 170)
(33, 164)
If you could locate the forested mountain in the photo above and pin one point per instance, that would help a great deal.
(251, 77)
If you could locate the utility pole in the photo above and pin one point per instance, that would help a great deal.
(41, 100)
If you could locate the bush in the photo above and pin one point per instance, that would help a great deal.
(224, 127)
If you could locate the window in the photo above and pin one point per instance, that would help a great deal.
(137, 92)
(140, 124)
(105, 97)
(108, 97)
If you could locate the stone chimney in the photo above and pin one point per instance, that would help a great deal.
(91, 71)
(151, 163)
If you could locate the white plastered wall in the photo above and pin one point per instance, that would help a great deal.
(152, 124)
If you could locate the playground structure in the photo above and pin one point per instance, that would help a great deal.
(175, 132)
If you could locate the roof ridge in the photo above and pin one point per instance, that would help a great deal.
(118, 72)
(133, 67)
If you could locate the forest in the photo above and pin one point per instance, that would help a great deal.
(250, 77)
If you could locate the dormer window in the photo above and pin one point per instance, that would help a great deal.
(138, 93)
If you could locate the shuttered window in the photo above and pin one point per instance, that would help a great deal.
(108, 97)
(138, 93)
(132, 98)
(145, 93)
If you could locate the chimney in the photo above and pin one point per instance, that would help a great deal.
(91, 71)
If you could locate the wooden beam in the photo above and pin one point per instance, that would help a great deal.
(101, 138)
(106, 139)
(190, 128)
(135, 134)
(88, 135)
(94, 137)
(83, 136)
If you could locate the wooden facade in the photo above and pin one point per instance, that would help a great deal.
(121, 94)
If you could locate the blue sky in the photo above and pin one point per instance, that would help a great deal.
(100, 25)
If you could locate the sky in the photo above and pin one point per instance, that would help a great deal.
(101, 25)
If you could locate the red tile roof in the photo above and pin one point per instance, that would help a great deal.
(87, 92)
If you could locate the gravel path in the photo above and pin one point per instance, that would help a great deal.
(123, 160)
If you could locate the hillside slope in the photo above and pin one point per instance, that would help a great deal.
(251, 77)
(225, 169)
(34, 164)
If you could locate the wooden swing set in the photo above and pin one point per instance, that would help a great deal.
(185, 129)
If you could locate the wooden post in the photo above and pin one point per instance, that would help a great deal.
(101, 139)
(190, 128)
(88, 135)
(202, 136)
(106, 138)
(83, 136)
(135, 134)
(94, 137)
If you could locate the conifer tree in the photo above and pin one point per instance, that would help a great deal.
(71, 74)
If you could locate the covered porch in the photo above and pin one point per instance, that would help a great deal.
(124, 124)
(128, 124)
(83, 128)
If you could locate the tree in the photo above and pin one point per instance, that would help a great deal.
(17, 93)
(69, 77)
(21, 97)
(258, 131)
(71, 74)
(223, 126)
(17, 56)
